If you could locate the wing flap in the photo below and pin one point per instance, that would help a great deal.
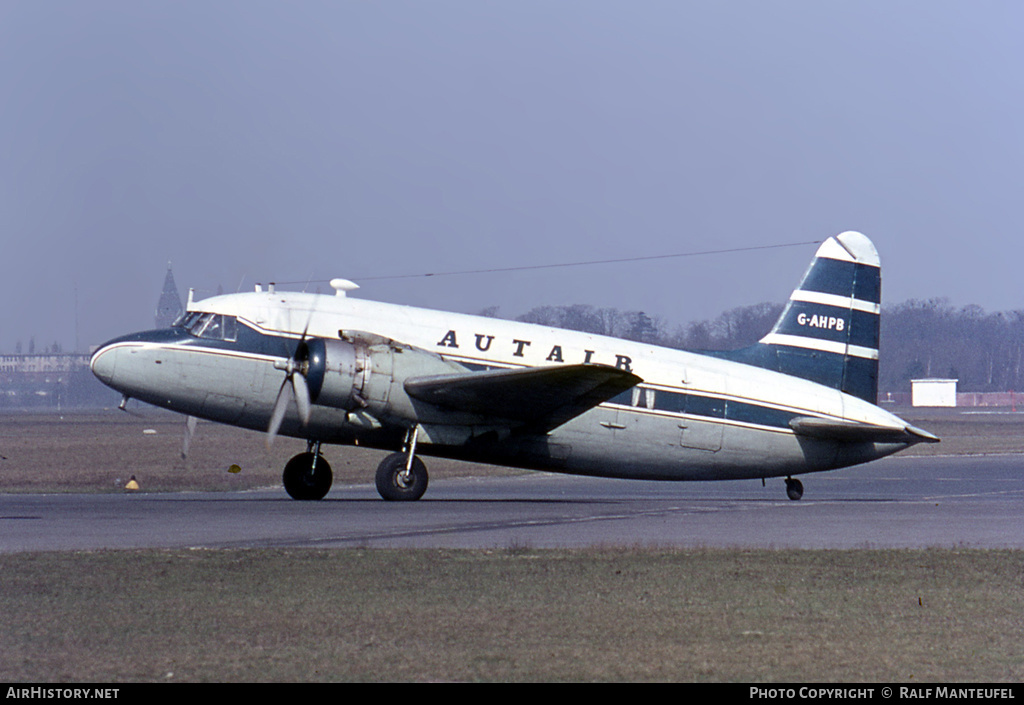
(542, 396)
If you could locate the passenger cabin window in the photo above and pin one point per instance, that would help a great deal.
(211, 326)
(637, 396)
(643, 398)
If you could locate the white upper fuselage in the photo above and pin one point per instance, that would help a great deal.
(492, 341)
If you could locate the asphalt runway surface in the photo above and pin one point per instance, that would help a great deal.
(898, 502)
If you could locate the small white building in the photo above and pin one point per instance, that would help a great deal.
(933, 392)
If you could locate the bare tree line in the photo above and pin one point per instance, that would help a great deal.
(935, 339)
(932, 338)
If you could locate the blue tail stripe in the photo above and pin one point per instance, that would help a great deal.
(867, 284)
(864, 328)
(831, 276)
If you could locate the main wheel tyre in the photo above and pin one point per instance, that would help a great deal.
(303, 481)
(395, 485)
(794, 489)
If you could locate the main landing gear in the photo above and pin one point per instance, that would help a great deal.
(402, 477)
(308, 475)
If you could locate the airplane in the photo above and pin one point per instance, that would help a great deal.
(336, 369)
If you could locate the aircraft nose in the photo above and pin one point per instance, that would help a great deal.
(103, 363)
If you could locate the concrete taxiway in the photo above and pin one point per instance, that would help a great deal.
(900, 502)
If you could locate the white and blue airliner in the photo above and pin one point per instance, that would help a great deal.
(335, 369)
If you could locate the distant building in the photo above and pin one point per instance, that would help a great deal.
(56, 381)
(50, 366)
(169, 306)
(933, 392)
(59, 380)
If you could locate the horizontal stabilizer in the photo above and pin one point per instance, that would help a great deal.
(827, 429)
(544, 396)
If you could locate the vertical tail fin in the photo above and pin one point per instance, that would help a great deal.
(828, 332)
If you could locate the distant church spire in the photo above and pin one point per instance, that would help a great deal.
(169, 307)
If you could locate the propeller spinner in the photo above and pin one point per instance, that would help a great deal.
(294, 385)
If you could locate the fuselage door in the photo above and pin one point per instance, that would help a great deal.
(704, 409)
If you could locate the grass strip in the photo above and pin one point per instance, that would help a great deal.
(513, 615)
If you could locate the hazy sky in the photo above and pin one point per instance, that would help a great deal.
(281, 141)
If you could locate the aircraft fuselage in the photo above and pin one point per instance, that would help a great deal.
(693, 417)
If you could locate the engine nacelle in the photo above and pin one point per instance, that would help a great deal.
(365, 373)
(336, 374)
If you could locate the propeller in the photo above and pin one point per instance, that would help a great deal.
(294, 387)
(190, 431)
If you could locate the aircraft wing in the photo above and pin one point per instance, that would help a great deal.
(859, 432)
(542, 396)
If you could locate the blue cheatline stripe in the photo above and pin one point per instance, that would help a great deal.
(759, 415)
(832, 276)
(246, 340)
(713, 407)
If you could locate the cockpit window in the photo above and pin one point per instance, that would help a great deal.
(186, 319)
(210, 326)
(229, 331)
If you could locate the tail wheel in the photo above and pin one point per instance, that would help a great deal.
(395, 484)
(307, 476)
(794, 489)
